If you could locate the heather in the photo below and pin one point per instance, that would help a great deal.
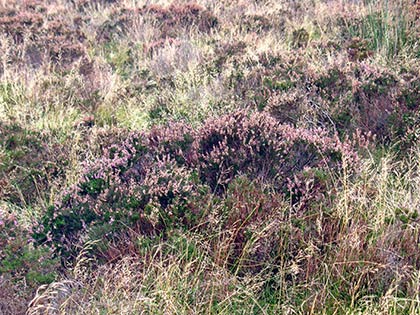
(154, 180)
(194, 157)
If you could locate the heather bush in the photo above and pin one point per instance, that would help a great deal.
(153, 181)
(131, 185)
(228, 157)
(226, 51)
(258, 145)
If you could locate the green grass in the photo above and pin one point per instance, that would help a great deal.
(386, 27)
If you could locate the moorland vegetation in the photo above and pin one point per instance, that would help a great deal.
(209, 157)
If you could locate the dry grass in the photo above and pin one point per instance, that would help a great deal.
(173, 279)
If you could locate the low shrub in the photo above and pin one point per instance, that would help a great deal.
(128, 186)
(261, 147)
(154, 181)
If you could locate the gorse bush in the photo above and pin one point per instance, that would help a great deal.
(155, 181)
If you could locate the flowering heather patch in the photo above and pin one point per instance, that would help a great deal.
(183, 15)
(260, 146)
(152, 180)
(128, 186)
